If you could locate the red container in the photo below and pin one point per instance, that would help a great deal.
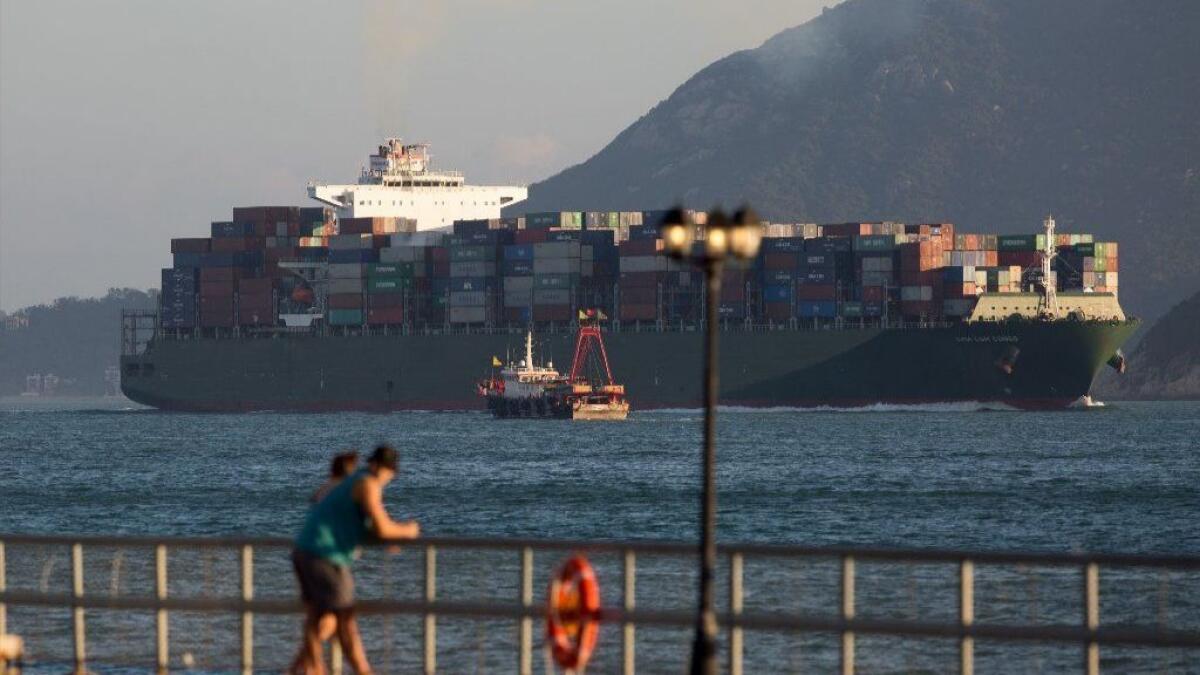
(1022, 258)
(530, 236)
(926, 308)
(252, 214)
(385, 315)
(216, 319)
(845, 229)
(192, 245)
(439, 254)
(216, 289)
(778, 311)
(385, 300)
(733, 292)
(652, 279)
(964, 290)
(636, 312)
(255, 286)
(815, 292)
(639, 295)
(873, 293)
(780, 261)
(235, 244)
(552, 313)
(345, 301)
(208, 274)
(1113, 265)
(640, 247)
(918, 278)
(217, 305)
(256, 316)
(440, 268)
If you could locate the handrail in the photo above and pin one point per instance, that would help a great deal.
(768, 621)
(846, 622)
(660, 547)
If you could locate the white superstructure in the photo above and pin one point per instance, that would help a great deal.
(399, 182)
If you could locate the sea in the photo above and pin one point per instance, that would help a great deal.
(1118, 477)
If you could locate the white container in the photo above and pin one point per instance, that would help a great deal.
(345, 285)
(479, 268)
(552, 297)
(513, 284)
(468, 314)
(468, 298)
(518, 298)
(643, 263)
(555, 265)
(347, 270)
(346, 242)
(556, 249)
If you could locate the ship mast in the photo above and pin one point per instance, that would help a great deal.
(1048, 305)
(529, 349)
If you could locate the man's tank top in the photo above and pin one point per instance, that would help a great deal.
(336, 525)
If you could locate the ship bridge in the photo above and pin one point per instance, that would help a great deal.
(398, 181)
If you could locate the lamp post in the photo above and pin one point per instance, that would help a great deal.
(724, 239)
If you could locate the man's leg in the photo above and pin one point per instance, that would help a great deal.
(309, 659)
(352, 646)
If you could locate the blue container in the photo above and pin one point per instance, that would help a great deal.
(732, 311)
(828, 245)
(354, 255)
(248, 259)
(777, 293)
(462, 284)
(518, 252)
(654, 218)
(485, 238)
(872, 309)
(219, 259)
(599, 238)
(470, 226)
(817, 308)
(518, 268)
(314, 254)
(186, 260)
(179, 277)
(228, 229)
(783, 244)
(564, 235)
(639, 233)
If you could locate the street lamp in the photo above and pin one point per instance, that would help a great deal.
(724, 239)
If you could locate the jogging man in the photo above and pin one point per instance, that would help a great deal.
(324, 551)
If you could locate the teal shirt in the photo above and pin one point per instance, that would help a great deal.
(336, 525)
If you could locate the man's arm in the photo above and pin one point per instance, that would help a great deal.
(371, 500)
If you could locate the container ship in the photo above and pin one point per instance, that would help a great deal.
(396, 290)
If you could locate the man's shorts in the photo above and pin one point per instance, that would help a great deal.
(324, 586)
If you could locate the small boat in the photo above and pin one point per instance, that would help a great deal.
(525, 389)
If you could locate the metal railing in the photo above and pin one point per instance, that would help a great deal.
(847, 622)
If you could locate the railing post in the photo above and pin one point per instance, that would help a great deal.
(735, 610)
(1091, 616)
(430, 618)
(77, 612)
(525, 631)
(847, 654)
(247, 616)
(3, 587)
(628, 602)
(161, 620)
(966, 616)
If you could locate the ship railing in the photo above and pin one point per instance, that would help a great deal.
(930, 609)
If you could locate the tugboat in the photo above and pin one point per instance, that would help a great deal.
(524, 389)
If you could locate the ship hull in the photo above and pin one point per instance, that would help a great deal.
(1022, 364)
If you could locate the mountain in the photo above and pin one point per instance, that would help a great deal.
(985, 113)
(73, 338)
(1166, 362)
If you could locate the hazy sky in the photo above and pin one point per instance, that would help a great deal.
(123, 124)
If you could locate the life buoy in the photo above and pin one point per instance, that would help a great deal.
(573, 613)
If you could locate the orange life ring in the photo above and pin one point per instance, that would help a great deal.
(573, 613)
